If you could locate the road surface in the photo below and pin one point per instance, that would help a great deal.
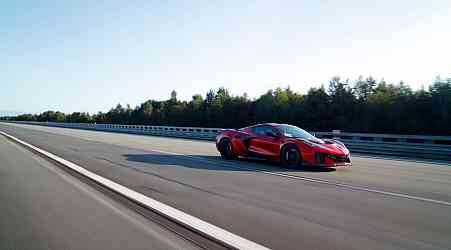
(43, 207)
(378, 203)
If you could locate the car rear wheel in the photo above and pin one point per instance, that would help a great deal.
(226, 149)
(290, 157)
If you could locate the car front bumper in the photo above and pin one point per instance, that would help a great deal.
(334, 165)
(332, 161)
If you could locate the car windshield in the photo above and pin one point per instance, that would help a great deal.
(293, 131)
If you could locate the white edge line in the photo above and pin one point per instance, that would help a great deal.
(213, 231)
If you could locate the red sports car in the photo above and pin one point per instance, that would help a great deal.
(283, 143)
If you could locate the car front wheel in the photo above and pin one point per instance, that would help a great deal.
(226, 149)
(290, 157)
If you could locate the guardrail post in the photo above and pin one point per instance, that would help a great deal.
(336, 134)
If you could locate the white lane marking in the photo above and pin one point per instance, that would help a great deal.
(211, 230)
(95, 195)
(315, 180)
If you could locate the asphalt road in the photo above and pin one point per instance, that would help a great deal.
(379, 203)
(43, 207)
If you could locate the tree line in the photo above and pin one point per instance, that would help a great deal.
(363, 105)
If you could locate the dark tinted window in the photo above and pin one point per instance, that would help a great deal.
(293, 131)
(263, 130)
(257, 130)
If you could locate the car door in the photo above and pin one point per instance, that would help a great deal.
(264, 144)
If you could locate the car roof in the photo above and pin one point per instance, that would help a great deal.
(272, 124)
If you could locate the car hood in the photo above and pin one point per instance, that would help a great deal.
(336, 146)
(328, 146)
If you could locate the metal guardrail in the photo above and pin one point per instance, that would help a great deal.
(181, 132)
(432, 147)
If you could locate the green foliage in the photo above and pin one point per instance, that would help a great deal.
(26, 117)
(362, 106)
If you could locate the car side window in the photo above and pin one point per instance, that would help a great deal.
(271, 130)
(259, 130)
(262, 130)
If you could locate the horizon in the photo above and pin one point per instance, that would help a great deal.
(88, 57)
(10, 113)
(350, 84)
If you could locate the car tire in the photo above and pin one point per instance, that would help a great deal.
(290, 157)
(226, 149)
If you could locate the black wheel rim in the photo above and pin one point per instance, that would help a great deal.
(291, 157)
(227, 148)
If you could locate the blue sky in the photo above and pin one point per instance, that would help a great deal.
(91, 55)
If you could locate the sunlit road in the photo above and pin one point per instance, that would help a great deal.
(378, 203)
(43, 207)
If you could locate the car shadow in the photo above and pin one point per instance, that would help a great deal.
(217, 163)
(281, 168)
